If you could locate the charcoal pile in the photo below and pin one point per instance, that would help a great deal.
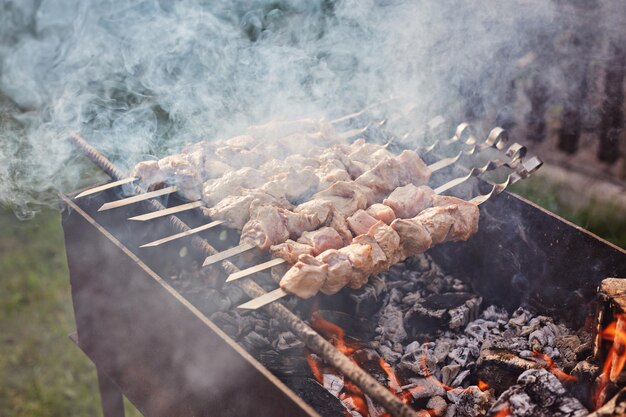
(430, 339)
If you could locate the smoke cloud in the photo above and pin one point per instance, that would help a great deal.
(140, 78)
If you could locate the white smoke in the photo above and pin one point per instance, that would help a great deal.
(140, 78)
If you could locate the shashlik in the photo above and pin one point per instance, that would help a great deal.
(272, 225)
(206, 160)
(449, 219)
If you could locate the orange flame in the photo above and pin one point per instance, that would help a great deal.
(482, 385)
(332, 331)
(555, 370)
(504, 412)
(616, 357)
(357, 401)
(315, 369)
(394, 384)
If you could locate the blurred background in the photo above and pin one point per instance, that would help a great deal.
(552, 73)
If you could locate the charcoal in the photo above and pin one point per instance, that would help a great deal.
(470, 401)
(506, 339)
(539, 393)
(355, 327)
(519, 318)
(254, 341)
(419, 360)
(286, 341)
(458, 381)
(479, 329)
(493, 313)
(446, 310)
(228, 322)
(389, 354)
(441, 350)
(463, 314)
(501, 368)
(235, 294)
(567, 346)
(315, 395)
(460, 355)
(374, 409)
(288, 363)
(391, 325)
(411, 298)
(209, 301)
(368, 299)
(425, 387)
(585, 373)
(437, 405)
(449, 373)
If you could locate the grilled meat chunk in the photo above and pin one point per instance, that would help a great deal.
(339, 271)
(379, 260)
(381, 212)
(311, 243)
(236, 209)
(265, 229)
(389, 241)
(321, 239)
(362, 262)
(360, 222)
(414, 236)
(306, 277)
(148, 173)
(213, 191)
(409, 200)
(179, 171)
(466, 217)
(344, 197)
(290, 250)
(294, 185)
(338, 222)
(392, 172)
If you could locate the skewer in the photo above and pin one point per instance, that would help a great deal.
(495, 140)
(183, 234)
(528, 168)
(474, 172)
(227, 253)
(106, 187)
(171, 210)
(137, 198)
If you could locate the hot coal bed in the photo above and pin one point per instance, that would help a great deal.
(508, 323)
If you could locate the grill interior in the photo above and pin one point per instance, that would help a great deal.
(142, 314)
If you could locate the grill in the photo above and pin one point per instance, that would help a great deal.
(148, 333)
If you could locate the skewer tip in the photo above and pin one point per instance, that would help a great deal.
(264, 299)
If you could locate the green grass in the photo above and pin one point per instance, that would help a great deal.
(41, 371)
